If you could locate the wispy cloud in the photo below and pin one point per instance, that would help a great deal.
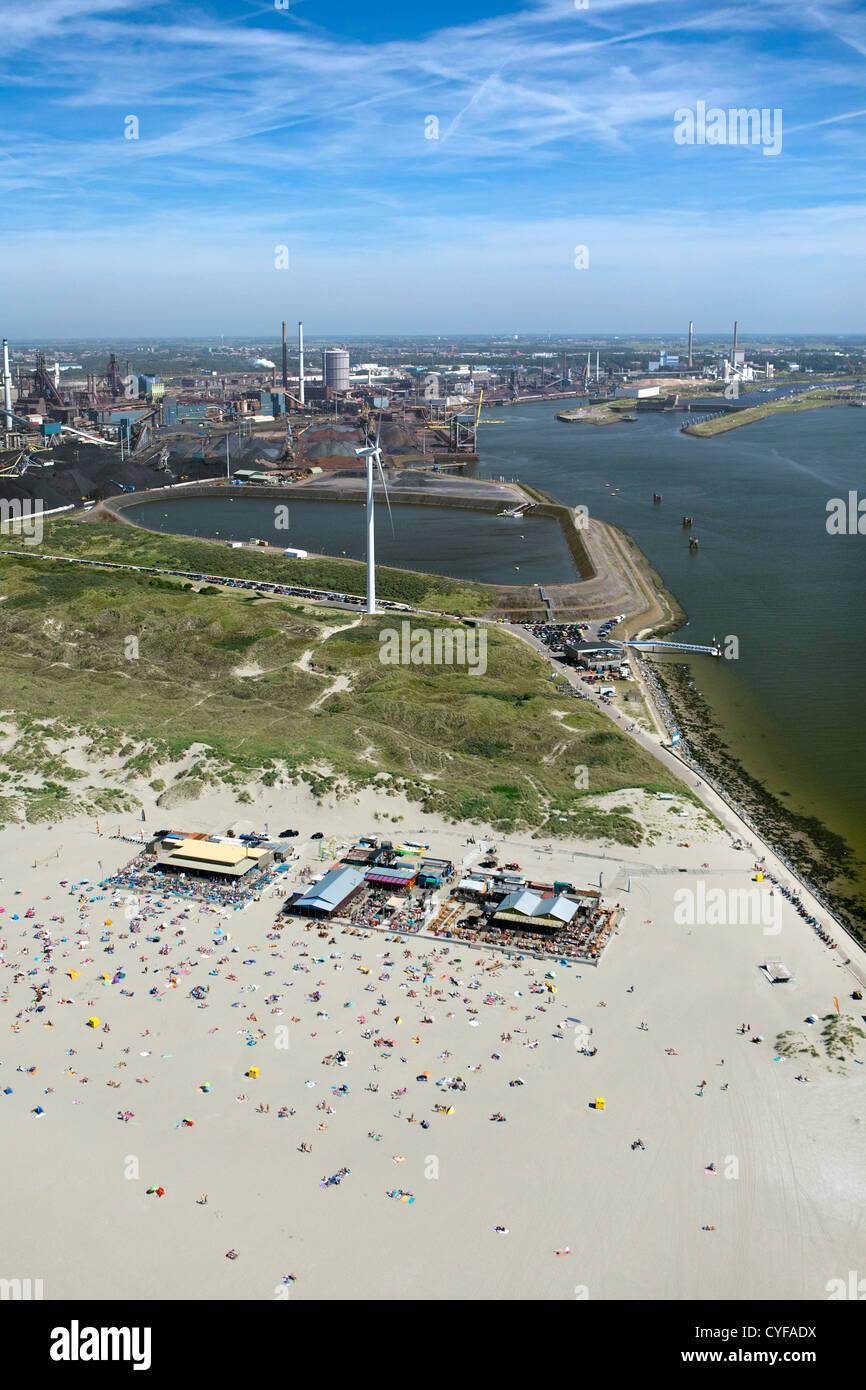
(255, 122)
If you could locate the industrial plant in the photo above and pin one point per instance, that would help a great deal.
(77, 432)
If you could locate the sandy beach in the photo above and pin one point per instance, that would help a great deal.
(783, 1205)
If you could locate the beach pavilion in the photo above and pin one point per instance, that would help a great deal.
(330, 895)
(220, 856)
(399, 876)
(533, 912)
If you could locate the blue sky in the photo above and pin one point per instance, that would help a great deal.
(306, 127)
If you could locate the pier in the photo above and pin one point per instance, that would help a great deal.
(673, 647)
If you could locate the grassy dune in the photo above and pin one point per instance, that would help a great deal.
(132, 545)
(222, 669)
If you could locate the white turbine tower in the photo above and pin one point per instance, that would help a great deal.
(372, 453)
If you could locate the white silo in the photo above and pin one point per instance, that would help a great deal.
(335, 368)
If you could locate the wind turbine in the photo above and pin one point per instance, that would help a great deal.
(371, 453)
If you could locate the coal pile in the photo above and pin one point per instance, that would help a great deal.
(76, 472)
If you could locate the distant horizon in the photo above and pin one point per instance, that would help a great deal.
(497, 338)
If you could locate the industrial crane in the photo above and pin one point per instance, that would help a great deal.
(454, 422)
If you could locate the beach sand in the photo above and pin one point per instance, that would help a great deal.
(786, 1202)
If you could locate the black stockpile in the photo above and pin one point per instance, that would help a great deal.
(77, 471)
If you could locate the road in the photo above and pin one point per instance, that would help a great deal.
(656, 742)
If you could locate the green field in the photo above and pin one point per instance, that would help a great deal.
(738, 418)
(220, 668)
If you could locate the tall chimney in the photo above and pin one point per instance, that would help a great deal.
(301, 361)
(7, 386)
(691, 339)
(735, 335)
(596, 368)
(285, 357)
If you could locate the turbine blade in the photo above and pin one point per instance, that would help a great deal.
(385, 490)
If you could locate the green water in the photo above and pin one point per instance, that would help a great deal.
(767, 572)
(467, 545)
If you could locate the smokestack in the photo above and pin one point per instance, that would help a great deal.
(565, 367)
(301, 361)
(735, 335)
(691, 339)
(7, 386)
(285, 357)
(596, 368)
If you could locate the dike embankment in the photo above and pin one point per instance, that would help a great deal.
(612, 575)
